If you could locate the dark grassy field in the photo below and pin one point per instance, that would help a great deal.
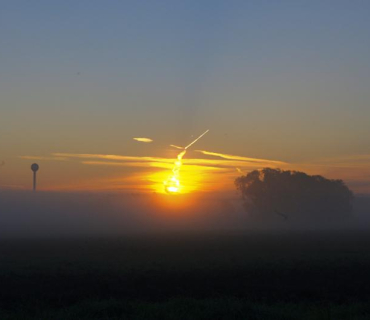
(255, 276)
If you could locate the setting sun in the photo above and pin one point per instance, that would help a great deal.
(172, 189)
(185, 160)
(172, 184)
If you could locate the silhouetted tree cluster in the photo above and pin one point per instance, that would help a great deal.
(291, 193)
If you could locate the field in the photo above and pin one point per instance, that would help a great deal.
(254, 276)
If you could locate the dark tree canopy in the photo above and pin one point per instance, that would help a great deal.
(292, 193)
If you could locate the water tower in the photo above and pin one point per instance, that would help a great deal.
(34, 168)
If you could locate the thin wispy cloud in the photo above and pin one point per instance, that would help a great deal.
(54, 158)
(240, 171)
(148, 173)
(137, 161)
(145, 140)
(215, 170)
(233, 157)
(128, 164)
(112, 157)
(190, 164)
(177, 147)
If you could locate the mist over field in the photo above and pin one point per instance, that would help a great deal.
(129, 256)
(52, 214)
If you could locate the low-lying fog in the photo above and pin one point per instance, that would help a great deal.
(45, 214)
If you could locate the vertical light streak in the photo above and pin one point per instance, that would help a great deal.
(172, 184)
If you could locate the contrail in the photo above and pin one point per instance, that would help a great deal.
(239, 158)
(182, 148)
(177, 147)
(172, 184)
(196, 140)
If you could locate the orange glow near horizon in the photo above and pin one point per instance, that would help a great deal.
(191, 179)
(212, 172)
(177, 205)
(147, 174)
(172, 185)
(215, 172)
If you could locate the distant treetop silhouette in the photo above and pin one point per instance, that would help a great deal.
(292, 193)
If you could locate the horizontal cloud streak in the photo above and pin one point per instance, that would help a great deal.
(232, 157)
(137, 161)
(112, 157)
(145, 140)
(148, 173)
(128, 164)
(56, 158)
(216, 171)
(150, 164)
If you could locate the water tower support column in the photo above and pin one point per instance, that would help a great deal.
(34, 168)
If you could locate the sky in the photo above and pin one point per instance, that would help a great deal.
(279, 83)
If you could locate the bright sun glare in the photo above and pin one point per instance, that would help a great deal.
(172, 189)
(172, 184)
